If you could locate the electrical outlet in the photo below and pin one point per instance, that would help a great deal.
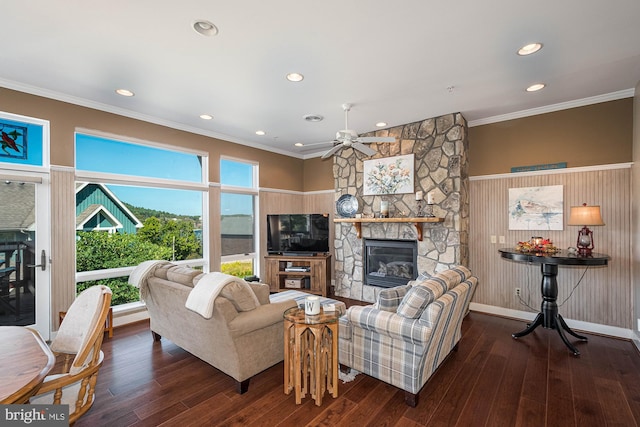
(517, 292)
(502, 239)
(493, 239)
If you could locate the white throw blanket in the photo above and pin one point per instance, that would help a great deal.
(141, 273)
(204, 293)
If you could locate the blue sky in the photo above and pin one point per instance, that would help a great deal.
(109, 156)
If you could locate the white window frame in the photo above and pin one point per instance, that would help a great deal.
(253, 191)
(141, 181)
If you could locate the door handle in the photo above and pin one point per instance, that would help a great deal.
(43, 261)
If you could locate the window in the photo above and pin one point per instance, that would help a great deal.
(238, 209)
(136, 202)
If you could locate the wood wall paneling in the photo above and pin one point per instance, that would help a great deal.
(604, 295)
(63, 242)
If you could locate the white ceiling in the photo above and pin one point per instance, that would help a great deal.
(394, 60)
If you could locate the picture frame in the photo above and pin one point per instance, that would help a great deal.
(536, 208)
(389, 175)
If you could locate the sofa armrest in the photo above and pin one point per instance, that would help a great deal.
(389, 324)
(261, 317)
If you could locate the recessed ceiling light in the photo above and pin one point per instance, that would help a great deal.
(260, 132)
(299, 144)
(535, 87)
(381, 124)
(295, 77)
(205, 28)
(529, 49)
(124, 92)
(206, 116)
(313, 118)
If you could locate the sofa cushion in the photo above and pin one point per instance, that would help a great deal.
(240, 295)
(415, 301)
(182, 275)
(389, 299)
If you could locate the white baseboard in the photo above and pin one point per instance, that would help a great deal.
(595, 328)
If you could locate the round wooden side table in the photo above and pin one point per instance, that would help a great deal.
(311, 353)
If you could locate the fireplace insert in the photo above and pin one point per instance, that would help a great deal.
(390, 263)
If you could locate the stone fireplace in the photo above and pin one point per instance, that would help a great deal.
(440, 146)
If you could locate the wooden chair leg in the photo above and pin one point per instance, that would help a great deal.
(242, 386)
(411, 399)
(156, 337)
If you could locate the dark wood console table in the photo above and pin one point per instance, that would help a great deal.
(548, 316)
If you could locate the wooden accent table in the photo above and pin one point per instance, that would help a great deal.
(311, 353)
(25, 360)
(548, 317)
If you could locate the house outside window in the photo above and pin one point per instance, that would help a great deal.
(238, 208)
(136, 201)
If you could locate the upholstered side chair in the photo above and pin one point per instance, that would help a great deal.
(77, 348)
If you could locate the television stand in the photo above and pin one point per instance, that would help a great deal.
(312, 269)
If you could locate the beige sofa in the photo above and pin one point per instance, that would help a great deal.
(239, 340)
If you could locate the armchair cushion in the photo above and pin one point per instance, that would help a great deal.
(415, 301)
(389, 299)
(241, 295)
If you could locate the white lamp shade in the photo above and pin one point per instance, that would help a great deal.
(585, 215)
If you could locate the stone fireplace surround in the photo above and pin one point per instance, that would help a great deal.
(440, 146)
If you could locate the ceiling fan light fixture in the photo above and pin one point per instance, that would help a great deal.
(313, 118)
(205, 28)
(529, 49)
(536, 87)
(295, 77)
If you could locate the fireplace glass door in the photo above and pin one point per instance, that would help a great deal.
(390, 263)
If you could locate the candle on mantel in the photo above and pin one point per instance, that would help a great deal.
(419, 195)
(430, 198)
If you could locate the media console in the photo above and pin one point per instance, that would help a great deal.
(315, 268)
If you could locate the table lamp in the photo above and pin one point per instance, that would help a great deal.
(585, 215)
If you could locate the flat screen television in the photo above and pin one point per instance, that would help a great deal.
(297, 234)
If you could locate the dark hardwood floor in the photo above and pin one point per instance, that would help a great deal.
(492, 380)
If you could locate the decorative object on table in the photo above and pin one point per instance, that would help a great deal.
(384, 209)
(536, 208)
(537, 245)
(389, 175)
(585, 215)
(347, 206)
(312, 306)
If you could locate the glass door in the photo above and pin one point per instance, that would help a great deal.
(24, 253)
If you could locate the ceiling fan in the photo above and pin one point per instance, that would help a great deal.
(349, 138)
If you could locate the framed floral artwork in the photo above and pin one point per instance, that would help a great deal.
(389, 175)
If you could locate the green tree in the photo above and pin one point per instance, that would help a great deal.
(99, 250)
(96, 250)
(176, 235)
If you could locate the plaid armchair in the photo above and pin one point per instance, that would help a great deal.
(410, 330)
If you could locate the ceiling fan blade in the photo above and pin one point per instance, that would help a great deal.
(319, 143)
(368, 139)
(332, 151)
(363, 149)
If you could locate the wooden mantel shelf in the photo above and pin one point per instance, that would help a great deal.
(417, 221)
